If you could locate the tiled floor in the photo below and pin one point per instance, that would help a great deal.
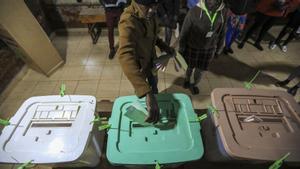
(88, 71)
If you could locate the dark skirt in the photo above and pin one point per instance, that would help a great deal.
(199, 58)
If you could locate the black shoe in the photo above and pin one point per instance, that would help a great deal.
(112, 54)
(230, 50)
(194, 89)
(186, 84)
(258, 46)
(241, 45)
(225, 51)
(282, 83)
(293, 90)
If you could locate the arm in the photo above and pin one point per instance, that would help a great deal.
(127, 58)
(187, 24)
(160, 43)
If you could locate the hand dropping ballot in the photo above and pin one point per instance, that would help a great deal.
(137, 113)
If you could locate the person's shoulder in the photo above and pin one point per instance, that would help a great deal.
(195, 10)
(126, 18)
(127, 23)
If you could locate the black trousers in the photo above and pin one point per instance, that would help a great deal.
(292, 27)
(261, 20)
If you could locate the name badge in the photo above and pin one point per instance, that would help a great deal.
(209, 34)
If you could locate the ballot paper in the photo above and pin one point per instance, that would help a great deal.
(137, 113)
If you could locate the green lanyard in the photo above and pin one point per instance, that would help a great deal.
(212, 19)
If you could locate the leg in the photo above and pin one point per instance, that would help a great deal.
(281, 34)
(197, 77)
(110, 27)
(228, 34)
(235, 34)
(260, 19)
(118, 15)
(266, 26)
(293, 90)
(153, 80)
(293, 75)
(187, 79)
(273, 44)
(291, 36)
(168, 35)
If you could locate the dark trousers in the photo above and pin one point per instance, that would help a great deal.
(112, 19)
(261, 20)
(231, 34)
(284, 31)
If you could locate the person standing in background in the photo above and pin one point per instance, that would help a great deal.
(268, 11)
(237, 16)
(292, 27)
(113, 11)
(235, 24)
(168, 11)
(202, 38)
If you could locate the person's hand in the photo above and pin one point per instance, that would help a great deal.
(152, 108)
(162, 62)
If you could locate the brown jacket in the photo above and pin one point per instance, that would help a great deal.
(268, 8)
(137, 39)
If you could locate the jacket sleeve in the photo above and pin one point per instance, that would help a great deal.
(220, 44)
(127, 57)
(187, 24)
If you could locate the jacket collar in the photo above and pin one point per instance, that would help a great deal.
(136, 11)
(201, 4)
